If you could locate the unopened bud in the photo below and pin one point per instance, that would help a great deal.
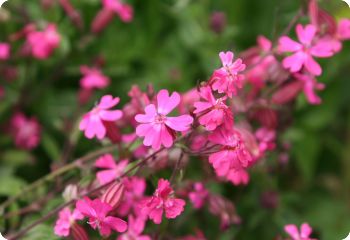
(70, 192)
(102, 19)
(114, 194)
(78, 232)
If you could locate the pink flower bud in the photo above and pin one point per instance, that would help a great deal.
(112, 132)
(114, 194)
(72, 13)
(218, 22)
(78, 232)
(102, 19)
(287, 93)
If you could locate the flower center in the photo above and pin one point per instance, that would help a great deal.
(160, 118)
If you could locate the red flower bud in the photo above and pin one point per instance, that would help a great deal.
(114, 194)
(102, 19)
(112, 131)
(287, 93)
(78, 232)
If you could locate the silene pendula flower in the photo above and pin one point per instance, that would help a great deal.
(124, 11)
(93, 78)
(97, 212)
(134, 191)
(25, 131)
(310, 85)
(212, 112)
(232, 157)
(198, 195)
(93, 122)
(43, 43)
(295, 234)
(266, 138)
(112, 170)
(156, 127)
(228, 78)
(136, 225)
(163, 200)
(66, 224)
(4, 51)
(303, 52)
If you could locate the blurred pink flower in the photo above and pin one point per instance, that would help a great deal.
(97, 212)
(212, 112)
(93, 78)
(304, 51)
(124, 11)
(43, 43)
(113, 170)
(310, 85)
(4, 51)
(163, 200)
(199, 195)
(156, 127)
(227, 79)
(136, 226)
(26, 131)
(65, 221)
(134, 191)
(92, 122)
(303, 234)
(232, 155)
(266, 138)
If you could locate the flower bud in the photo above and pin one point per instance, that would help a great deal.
(78, 232)
(112, 131)
(70, 192)
(287, 93)
(114, 194)
(218, 22)
(102, 19)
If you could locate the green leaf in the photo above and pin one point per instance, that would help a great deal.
(50, 146)
(41, 232)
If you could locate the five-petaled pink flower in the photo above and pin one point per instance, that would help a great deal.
(43, 43)
(92, 122)
(93, 78)
(25, 131)
(133, 194)
(157, 128)
(304, 51)
(97, 212)
(4, 51)
(232, 155)
(163, 200)
(65, 221)
(113, 170)
(124, 11)
(212, 112)
(136, 225)
(199, 195)
(304, 234)
(228, 78)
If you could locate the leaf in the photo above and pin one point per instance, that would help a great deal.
(10, 185)
(41, 232)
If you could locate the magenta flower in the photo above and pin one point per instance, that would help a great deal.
(4, 51)
(92, 122)
(157, 128)
(124, 11)
(232, 156)
(212, 112)
(135, 229)
(93, 78)
(199, 195)
(227, 79)
(134, 191)
(163, 200)
(304, 234)
(238, 177)
(113, 170)
(25, 131)
(97, 212)
(66, 219)
(310, 84)
(43, 43)
(304, 51)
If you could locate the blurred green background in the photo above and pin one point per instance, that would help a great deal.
(171, 45)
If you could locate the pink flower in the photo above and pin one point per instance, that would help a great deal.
(97, 212)
(163, 200)
(92, 122)
(43, 43)
(266, 138)
(212, 112)
(26, 131)
(304, 51)
(93, 78)
(156, 127)
(65, 221)
(310, 84)
(124, 11)
(135, 229)
(134, 191)
(238, 177)
(4, 51)
(199, 195)
(227, 79)
(113, 170)
(232, 156)
(304, 234)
